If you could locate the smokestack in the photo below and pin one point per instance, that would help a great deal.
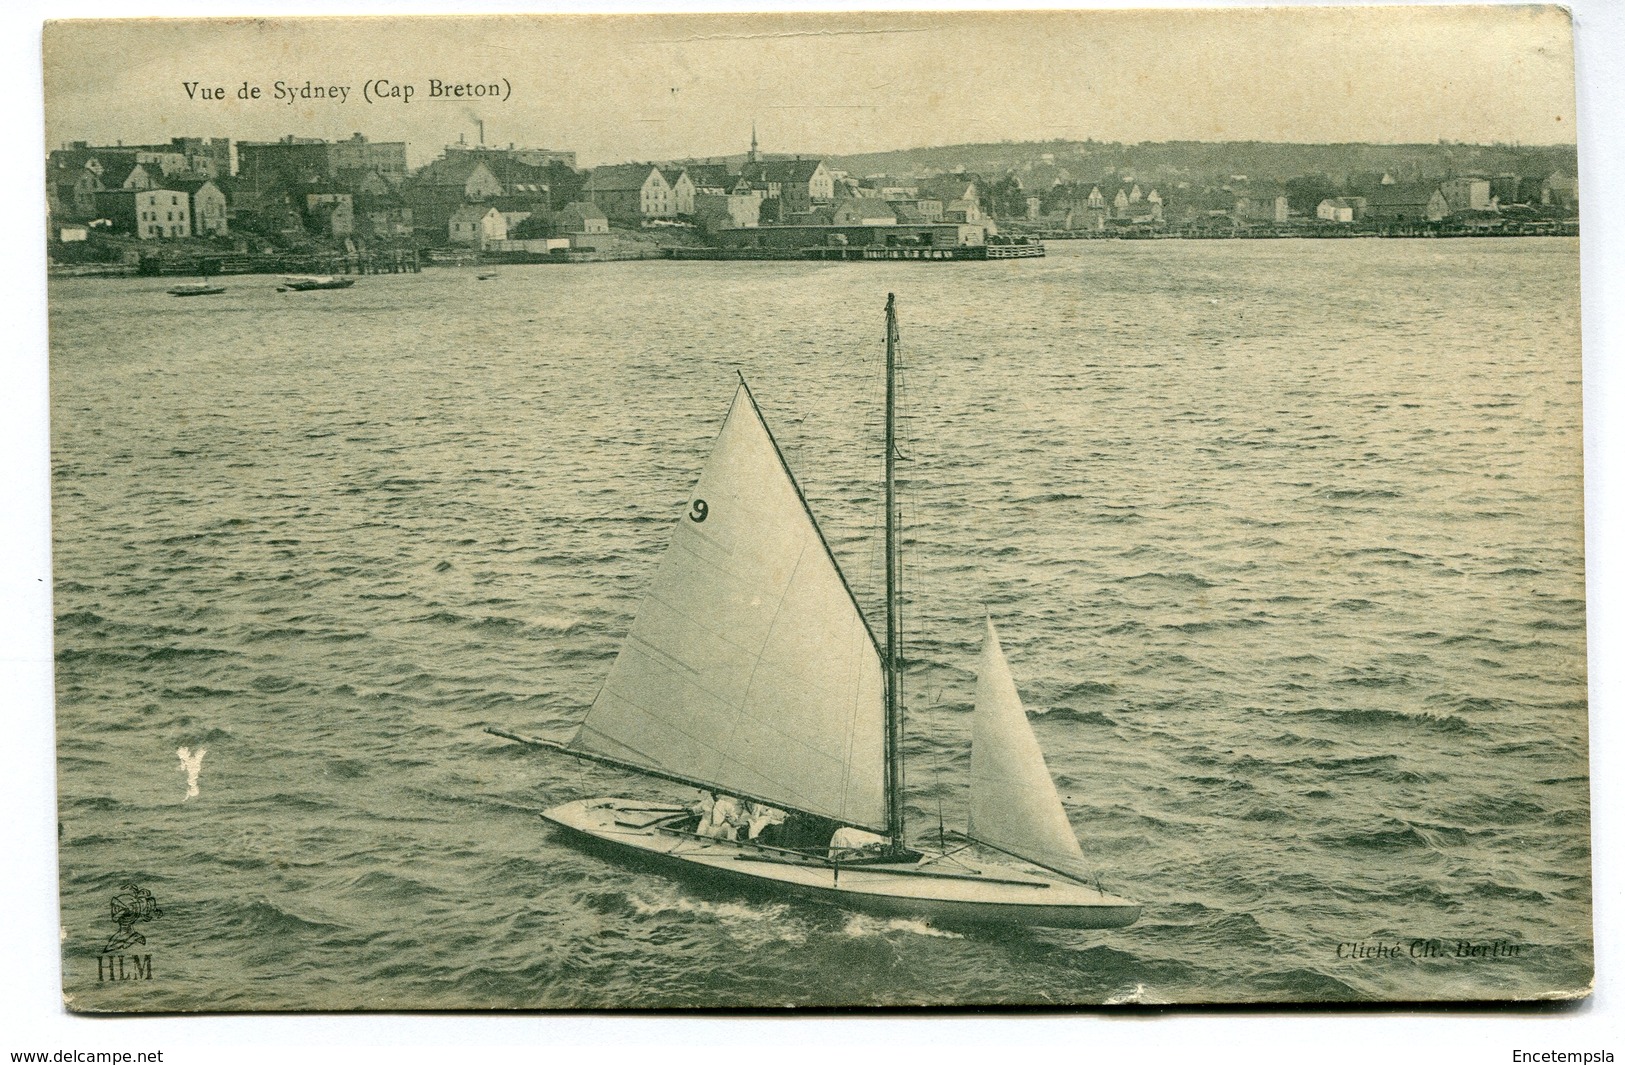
(482, 132)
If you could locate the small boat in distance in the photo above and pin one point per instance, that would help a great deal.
(751, 673)
(197, 288)
(486, 276)
(310, 283)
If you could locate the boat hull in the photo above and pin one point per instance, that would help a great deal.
(950, 893)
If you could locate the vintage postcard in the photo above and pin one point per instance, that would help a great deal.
(626, 512)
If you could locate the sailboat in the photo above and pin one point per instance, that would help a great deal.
(751, 673)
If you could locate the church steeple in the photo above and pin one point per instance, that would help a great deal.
(753, 141)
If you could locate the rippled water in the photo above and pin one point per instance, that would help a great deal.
(1283, 540)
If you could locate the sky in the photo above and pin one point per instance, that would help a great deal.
(620, 88)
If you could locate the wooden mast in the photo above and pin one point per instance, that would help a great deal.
(894, 627)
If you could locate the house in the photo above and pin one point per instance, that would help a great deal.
(1505, 189)
(438, 190)
(951, 187)
(150, 214)
(739, 210)
(1409, 202)
(1464, 194)
(470, 178)
(208, 205)
(383, 220)
(682, 190)
(1560, 190)
(963, 212)
(476, 225)
(330, 212)
(580, 217)
(127, 174)
(73, 195)
(798, 184)
(1265, 205)
(1340, 209)
(867, 211)
(713, 179)
(631, 192)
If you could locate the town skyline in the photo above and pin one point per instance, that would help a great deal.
(621, 88)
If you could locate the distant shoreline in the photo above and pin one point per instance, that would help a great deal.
(274, 265)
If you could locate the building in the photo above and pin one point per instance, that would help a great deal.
(267, 168)
(208, 204)
(1466, 194)
(539, 158)
(1340, 209)
(1560, 190)
(580, 217)
(962, 212)
(1266, 205)
(793, 238)
(536, 175)
(711, 179)
(798, 184)
(951, 187)
(476, 225)
(382, 220)
(330, 212)
(738, 210)
(864, 211)
(1406, 203)
(149, 214)
(631, 192)
(682, 190)
(439, 190)
(1505, 189)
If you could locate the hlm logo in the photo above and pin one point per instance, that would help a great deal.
(133, 905)
(114, 967)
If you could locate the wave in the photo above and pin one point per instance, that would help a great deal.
(262, 917)
(1053, 497)
(1136, 995)
(1217, 625)
(1359, 493)
(1358, 718)
(775, 915)
(1187, 580)
(1082, 717)
(860, 926)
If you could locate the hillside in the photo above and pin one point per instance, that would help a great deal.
(1199, 162)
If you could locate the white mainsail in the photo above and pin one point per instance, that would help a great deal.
(1013, 803)
(749, 666)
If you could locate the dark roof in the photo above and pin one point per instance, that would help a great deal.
(781, 171)
(190, 186)
(453, 171)
(1412, 194)
(472, 212)
(865, 207)
(710, 175)
(626, 177)
(116, 172)
(586, 211)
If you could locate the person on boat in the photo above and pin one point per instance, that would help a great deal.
(849, 842)
(725, 818)
(701, 808)
(760, 822)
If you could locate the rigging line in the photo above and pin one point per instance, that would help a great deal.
(936, 769)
